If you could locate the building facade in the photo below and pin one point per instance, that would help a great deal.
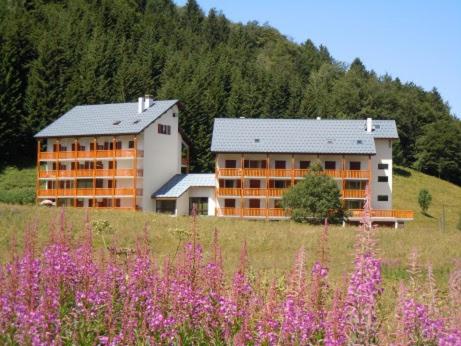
(110, 156)
(134, 156)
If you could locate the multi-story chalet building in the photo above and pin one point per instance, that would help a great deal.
(134, 156)
(111, 156)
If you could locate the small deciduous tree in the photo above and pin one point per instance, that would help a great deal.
(314, 198)
(424, 200)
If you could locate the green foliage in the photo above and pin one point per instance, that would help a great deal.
(17, 186)
(439, 150)
(57, 54)
(458, 226)
(314, 198)
(424, 200)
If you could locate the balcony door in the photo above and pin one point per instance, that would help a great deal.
(280, 164)
(354, 165)
(255, 203)
(255, 184)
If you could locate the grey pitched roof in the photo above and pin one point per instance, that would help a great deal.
(99, 119)
(298, 135)
(180, 183)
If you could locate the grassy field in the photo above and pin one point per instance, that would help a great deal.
(272, 245)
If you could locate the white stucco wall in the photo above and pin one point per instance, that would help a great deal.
(162, 156)
(182, 204)
(383, 155)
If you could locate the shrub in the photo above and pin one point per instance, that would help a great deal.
(314, 198)
(424, 200)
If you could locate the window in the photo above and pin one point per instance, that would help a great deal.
(355, 185)
(118, 145)
(254, 163)
(166, 206)
(131, 144)
(255, 184)
(354, 165)
(280, 184)
(229, 183)
(229, 203)
(383, 198)
(255, 203)
(354, 204)
(136, 121)
(230, 164)
(117, 122)
(201, 204)
(383, 179)
(330, 164)
(99, 183)
(164, 129)
(304, 164)
(280, 164)
(383, 166)
(359, 141)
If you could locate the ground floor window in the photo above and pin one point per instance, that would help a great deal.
(166, 206)
(354, 204)
(201, 204)
(229, 203)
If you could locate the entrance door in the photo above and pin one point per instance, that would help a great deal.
(201, 204)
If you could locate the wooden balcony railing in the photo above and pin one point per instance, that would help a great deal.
(389, 213)
(88, 173)
(83, 192)
(254, 172)
(276, 192)
(229, 191)
(228, 212)
(354, 193)
(287, 173)
(88, 154)
(280, 172)
(253, 212)
(254, 192)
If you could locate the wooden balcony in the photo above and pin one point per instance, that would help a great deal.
(88, 154)
(353, 194)
(254, 192)
(288, 173)
(276, 192)
(87, 192)
(253, 212)
(229, 191)
(383, 213)
(249, 192)
(88, 173)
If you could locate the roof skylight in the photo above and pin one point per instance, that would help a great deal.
(117, 122)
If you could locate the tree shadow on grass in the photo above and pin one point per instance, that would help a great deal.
(402, 172)
(427, 215)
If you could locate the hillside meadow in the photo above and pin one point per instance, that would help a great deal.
(271, 244)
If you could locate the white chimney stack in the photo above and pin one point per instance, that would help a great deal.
(140, 104)
(148, 101)
(369, 124)
(319, 118)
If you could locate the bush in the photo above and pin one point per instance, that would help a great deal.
(424, 200)
(17, 186)
(314, 198)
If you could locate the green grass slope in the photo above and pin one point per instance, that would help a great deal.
(17, 186)
(446, 197)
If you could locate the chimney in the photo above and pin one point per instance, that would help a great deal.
(319, 118)
(140, 104)
(148, 101)
(369, 124)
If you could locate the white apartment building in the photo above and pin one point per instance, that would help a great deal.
(134, 156)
